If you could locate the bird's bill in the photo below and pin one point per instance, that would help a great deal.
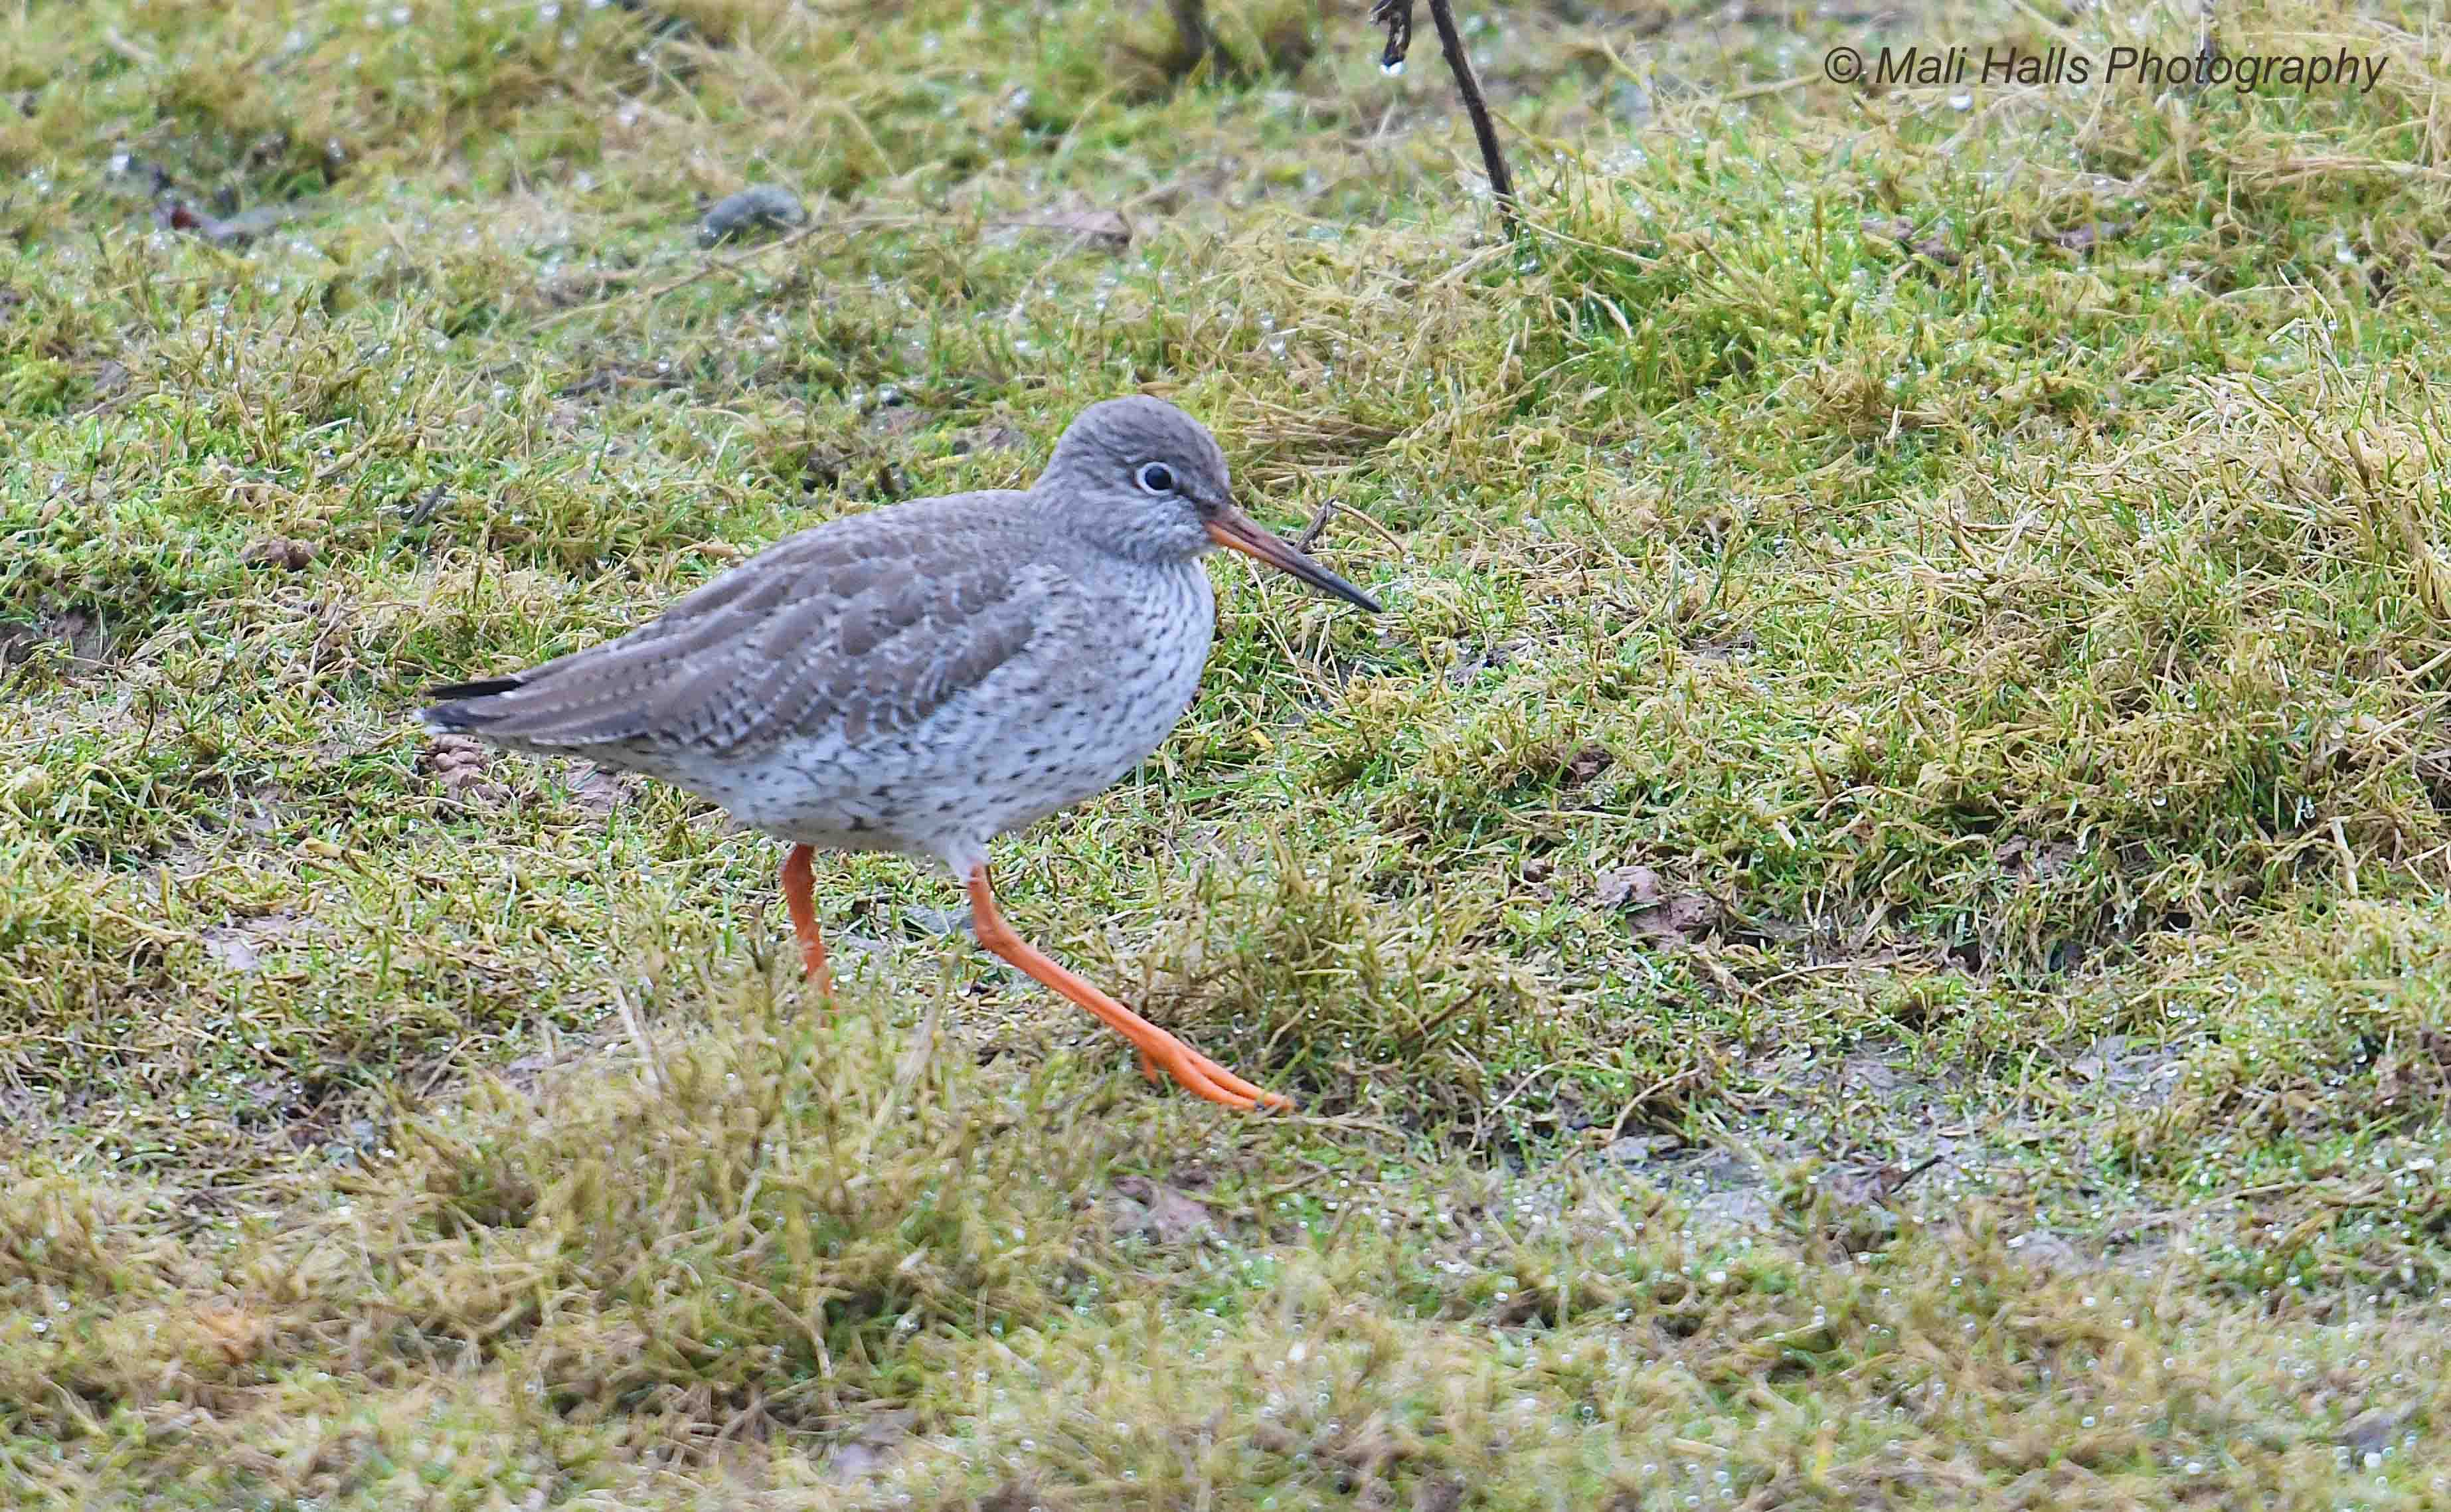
(1237, 531)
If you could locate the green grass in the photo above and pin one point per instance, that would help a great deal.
(1870, 927)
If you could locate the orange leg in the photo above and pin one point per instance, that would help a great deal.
(1159, 1050)
(797, 885)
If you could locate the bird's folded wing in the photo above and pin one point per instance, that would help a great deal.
(830, 633)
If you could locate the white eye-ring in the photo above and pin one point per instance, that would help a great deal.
(1155, 478)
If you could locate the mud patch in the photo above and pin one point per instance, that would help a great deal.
(71, 636)
(1717, 1185)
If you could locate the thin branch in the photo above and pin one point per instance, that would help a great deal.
(1397, 16)
(1501, 183)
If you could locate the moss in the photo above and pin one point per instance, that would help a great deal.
(1863, 931)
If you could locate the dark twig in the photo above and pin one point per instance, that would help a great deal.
(1397, 16)
(1899, 1185)
(1501, 183)
(1316, 527)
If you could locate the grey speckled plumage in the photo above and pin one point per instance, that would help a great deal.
(925, 678)
(922, 677)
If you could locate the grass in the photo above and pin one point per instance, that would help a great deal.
(1870, 928)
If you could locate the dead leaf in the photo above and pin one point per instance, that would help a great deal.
(1438, 1494)
(1586, 764)
(232, 949)
(234, 1330)
(896, 420)
(1681, 916)
(1903, 232)
(2085, 237)
(1106, 229)
(278, 551)
(1638, 885)
(1159, 1212)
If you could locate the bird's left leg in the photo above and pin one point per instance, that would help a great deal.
(1197, 1072)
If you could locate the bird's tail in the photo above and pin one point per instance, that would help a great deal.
(459, 708)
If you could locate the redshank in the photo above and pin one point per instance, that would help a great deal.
(924, 677)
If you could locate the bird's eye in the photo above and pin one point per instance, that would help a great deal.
(1155, 478)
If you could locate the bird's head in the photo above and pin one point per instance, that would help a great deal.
(1146, 480)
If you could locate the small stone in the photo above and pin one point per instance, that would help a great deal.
(2372, 1432)
(1634, 1149)
(935, 920)
(761, 206)
(237, 231)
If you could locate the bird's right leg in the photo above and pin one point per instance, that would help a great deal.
(798, 895)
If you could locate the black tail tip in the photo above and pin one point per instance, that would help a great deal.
(451, 692)
(450, 710)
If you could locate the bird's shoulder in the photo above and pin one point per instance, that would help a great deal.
(907, 552)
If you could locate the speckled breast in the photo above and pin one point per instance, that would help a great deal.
(1046, 732)
(1104, 705)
